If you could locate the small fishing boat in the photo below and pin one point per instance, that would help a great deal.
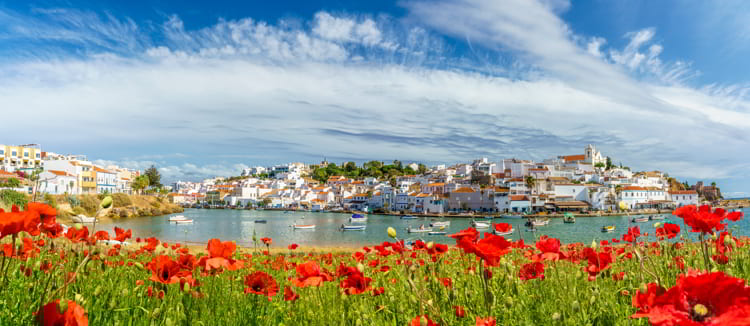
(503, 229)
(355, 218)
(185, 221)
(436, 224)
(657, 217)
(569, 218)
(437, 233)
(408, 217)
(420, 229)
(353, 227)
(83, 219)
(177, 218)
(608, 229)
(536, 222)
(639, 219)
(260, 221)
(480, 225)
(303, 226)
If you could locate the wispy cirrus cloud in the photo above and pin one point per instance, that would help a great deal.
(244, 92)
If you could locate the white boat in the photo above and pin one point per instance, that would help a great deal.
(440, 223)
(83, 219)
(177, 218)
(639, 219)
(656, 217)
(418, 230)
(608, 229)
(303, 226)
(537, 223)
(353, 227)
(357, 218)
(408, 217)
(437, 233)
(480, 225)
(186, 221)
(513, 216)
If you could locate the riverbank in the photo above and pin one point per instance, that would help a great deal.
(123, 206)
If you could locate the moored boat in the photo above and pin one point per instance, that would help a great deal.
(436, 224)
(408, 217)
(260, 221)
(353, 227)
(357, 218)
(480, 225)
(569, 218)
(657, 217)
(639, 219)
(303, 226)
(513, 216)
(420, 229)
(608, 228)
(536, 222)
(437, 233)
(185, 221)
(177, 218)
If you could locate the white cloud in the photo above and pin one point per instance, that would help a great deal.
(276, 93)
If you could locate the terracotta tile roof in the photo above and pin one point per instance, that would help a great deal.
(573, 158)
(60, 173)
(518, 198)
(98, 169)
(436, 184)
(423, 195)
(464, 190)
(7, 174)
(633, 188)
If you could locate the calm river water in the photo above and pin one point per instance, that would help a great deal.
(239, 225)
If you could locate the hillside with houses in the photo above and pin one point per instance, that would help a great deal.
(583, 182)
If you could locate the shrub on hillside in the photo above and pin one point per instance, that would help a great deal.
(90, 204)
(155, 204)
(78, 210)
(121, 200)
(50, 200)
(12, 197)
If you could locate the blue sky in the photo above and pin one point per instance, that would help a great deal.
(201, 88)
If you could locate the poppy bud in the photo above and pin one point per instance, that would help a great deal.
(430, 245)
(186, 288)
(656, 225)
(422, 321)
(169, 322)
(592, 300)
(429, 302)
(556, 316)
(62, 306)
(97, 291)
(79, 299)
(125, 292)
(155, 313)
(728, 241)
(139, 265)
(509, 302)
(392, 232)
(593, 244)
(78, 226)
(576, 305)
(106, 202)
(360, 267)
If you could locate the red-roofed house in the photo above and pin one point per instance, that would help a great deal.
(684, 197)
(56, 182)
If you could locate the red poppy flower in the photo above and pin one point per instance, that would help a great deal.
(418, 321)
(447, 282)
(460, 312)
(669, 230)
(101, 235)
(489, 321)
(74, 315)
(597, 262)
(378, 291)
(293, 246)
(703, 219)
(186, 261)
(289, 294)
(121, 235)
(720, 259)
(531, 271)
(76, 235)
(11, 223)
(220, 256)
(266, 241)
(261, 283)
(632, 235)
(491, 248)
(470, 234)
(356, 283)
(309, 274)
(701, 299)
(165, 270)
(550, 248)
(53, 231)
(438, 249)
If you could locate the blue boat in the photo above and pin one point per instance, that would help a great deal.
(408, 217)
(357, 218)
(260, 221)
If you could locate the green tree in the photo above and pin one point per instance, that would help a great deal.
(609, 163)
(350, 166)
(154, 177)
(422, 169)
(713, 184)
(530, 182)
(13, 183)
(140, 183)
(599, 165)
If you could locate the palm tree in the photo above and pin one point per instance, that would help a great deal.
(530, 182)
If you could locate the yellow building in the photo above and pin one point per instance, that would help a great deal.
(23, 157)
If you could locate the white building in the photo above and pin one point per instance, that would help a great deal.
(57, 183)
(684, 197)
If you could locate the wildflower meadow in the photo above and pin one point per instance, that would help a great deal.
(51, 275)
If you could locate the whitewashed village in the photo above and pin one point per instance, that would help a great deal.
(585, 182)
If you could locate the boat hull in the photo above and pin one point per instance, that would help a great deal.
(304, 227)
(496, 232)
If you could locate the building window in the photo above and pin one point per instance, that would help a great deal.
(25, 154)
(14, 153)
